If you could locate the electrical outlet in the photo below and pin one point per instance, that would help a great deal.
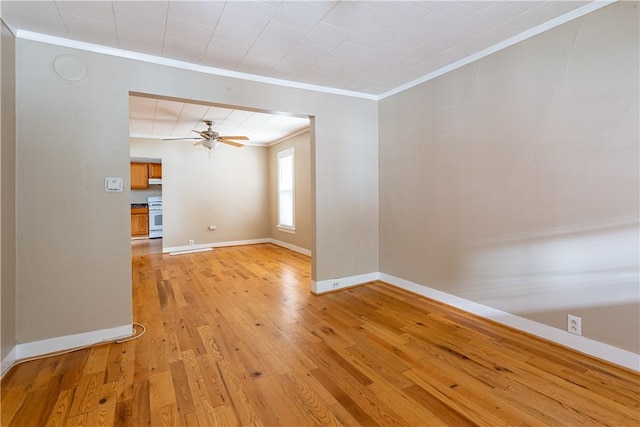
(335, 284)
(574, 324)
(192, 242)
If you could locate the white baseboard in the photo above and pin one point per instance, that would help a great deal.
(291, 247)
(323, 286)
(214, 245)
(52, 345)
(588, 346)
(582, 344)
(8, 361)
(205, 246)
(191, 251)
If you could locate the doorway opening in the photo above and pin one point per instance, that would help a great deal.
(224, 193)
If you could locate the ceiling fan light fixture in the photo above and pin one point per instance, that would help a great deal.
(212, 139)
(211, 143)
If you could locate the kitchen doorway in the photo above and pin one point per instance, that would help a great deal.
(146, 203)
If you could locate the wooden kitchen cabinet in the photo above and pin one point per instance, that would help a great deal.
(139, 176)
(139, 222)
(155, 170)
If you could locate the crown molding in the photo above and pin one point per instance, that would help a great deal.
(562, 19)
(121, 53)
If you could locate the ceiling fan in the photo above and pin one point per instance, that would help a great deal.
(211, 139)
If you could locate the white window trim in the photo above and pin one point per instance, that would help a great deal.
(285, 153)
(285, 229)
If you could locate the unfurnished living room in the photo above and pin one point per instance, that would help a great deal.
(297, 213)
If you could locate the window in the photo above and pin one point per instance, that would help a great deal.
(285, 190)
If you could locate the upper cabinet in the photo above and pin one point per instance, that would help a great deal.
(139, 176)
(155, 170)
(143, 174)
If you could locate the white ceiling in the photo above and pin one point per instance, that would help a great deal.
(364, 47)
(161, 118)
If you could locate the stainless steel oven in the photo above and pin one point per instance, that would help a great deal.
(155, 216)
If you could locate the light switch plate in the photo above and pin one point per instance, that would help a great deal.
(113, 184)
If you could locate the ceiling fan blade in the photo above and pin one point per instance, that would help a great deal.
(235, 144)
(240, 137)
(175, 139)
(199, 142)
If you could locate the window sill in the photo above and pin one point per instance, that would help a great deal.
(290, 230)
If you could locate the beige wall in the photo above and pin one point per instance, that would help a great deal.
(303, 236)
(7, 202)
(233, 189)
(227, 189)
(513, 181)
(73, 271)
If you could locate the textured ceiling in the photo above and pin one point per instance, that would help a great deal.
(363, 46)
(160, 118)
(367, 48)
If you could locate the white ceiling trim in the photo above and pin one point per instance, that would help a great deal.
(60, 41)
(285, 138)
(90, 47)
(569, 16)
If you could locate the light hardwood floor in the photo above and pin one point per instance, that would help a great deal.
(235, 338)
(141, 247)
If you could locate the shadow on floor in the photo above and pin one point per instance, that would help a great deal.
(146, 246)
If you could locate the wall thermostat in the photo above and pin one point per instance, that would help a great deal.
(113, 184)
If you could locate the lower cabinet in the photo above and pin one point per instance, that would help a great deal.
(139, 222)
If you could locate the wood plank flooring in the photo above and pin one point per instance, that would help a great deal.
(143, 246)
(234, 337)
